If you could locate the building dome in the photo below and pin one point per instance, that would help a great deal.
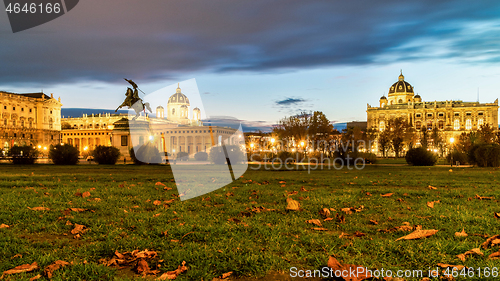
(178, 97)
(401, 86)
(417, 96)
(159, 107)
(383, 98)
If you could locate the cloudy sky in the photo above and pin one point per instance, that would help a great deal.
(260, 60)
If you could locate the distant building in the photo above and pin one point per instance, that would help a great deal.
(176, 133)
(450, 117)
(357, 124)
(29, 119)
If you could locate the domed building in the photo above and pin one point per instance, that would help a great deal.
(452, 117)
(178, 107)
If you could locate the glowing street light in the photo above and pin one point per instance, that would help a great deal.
(302, 143)
(273, 140)
(251, 145)
(85, 148)
(151, 137)
(44, 148)
(39, 146)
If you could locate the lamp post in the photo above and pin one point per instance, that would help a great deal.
(452, 139)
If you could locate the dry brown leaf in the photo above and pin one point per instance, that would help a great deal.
(170, 275)
(432, 187)
(483, 197)
(86, 194)
(226, 275)
(39, 209)
(444, 265)
(494, 256)
(335, 265)
(489, 241)
(35, 277)
(292, 205)
(315, 221)
(48, 271)
(157, 202)
(169, 201)
(374, 222)
(79, 229)
(20, 269)
(167, 188)
(431, 204)
(461, 234)
(497, 215)
(320, 228)
(417, 234)
(475, 251)
(387, 195)
(347, 211)
(142, 267)
(4, 226)
(78, 210)
(328, 219)
(159, 183)
(324, 212)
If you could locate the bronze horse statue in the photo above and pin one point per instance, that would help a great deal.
(133, 101)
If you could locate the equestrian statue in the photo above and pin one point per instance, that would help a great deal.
(133, 101)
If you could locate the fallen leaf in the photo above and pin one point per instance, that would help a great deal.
(359, 234)
(494, 256)
(324, 212)
(79, 229)
(417, 234)
(142, 267)
(170, 275)
(78, 210)
(328, 219)
(226, 275)
(159, 183)
(444, 265)
(86, 194)
(157, 202)
(35, 277)
(315, 221)
(20, 269)
(497, 215)
(475, 251)
(461, 234)
(335, 265)
(4, 226)
(320, 228)
(48, 271)
(432, 187)
(431, 204)
(489, 241)
(39, 208)
(483, 197)
(292, 204)
(374, 222)
(387, 195)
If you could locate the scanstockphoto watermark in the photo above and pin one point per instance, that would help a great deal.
(357, 272)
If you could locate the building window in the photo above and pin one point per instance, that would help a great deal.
(441, 114)
(4, 107)
(124, 140)
(468, 124)
(418, 125)
(441, 124)
(418, 115)
(14, 108)
(456, 125)
(22, 108)
(429, 125)
(13, 122)
(30, 109)
(381, 126)
(468, 114)
(429, 115)
(480, 113)
(457, 114)
(22, 123)
(173, 111)
(5, 122)
(480, 123)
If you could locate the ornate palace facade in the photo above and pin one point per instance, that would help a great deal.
(29, 119)
(450, 117)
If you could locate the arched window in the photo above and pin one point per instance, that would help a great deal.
(480, 123)
(468, 124)
(5, 122)
(441, 124)
(429, 125)
(173, 111)
(456, 125)
(400, 101)
(418, 125)
(381, 126)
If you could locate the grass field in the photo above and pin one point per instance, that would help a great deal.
(245, 227)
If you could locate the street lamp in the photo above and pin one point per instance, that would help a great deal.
(452, 140)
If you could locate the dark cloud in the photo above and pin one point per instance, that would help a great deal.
(290, 101)
(231, 122)
(151, 40)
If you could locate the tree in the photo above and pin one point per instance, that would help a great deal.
(319, 130)
(486, 134)
(384, 142)
(293, 127)
(400, 133)
(437, 140)
(25, 154)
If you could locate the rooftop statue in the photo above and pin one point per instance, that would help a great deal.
(133, 101)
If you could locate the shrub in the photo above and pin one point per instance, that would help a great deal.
(182, 156)
(457, 156)
(23, 154)
(201, 156)
(285, 156)
(315, 157)
(145, 154)
(487, 155)
(369, 157)
(217, 155)
(64, 154)
(420, 156)
(254, 157)
(106, 154)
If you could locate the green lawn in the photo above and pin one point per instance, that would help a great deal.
(227, 231)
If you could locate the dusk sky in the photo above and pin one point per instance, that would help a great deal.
(259, 61)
